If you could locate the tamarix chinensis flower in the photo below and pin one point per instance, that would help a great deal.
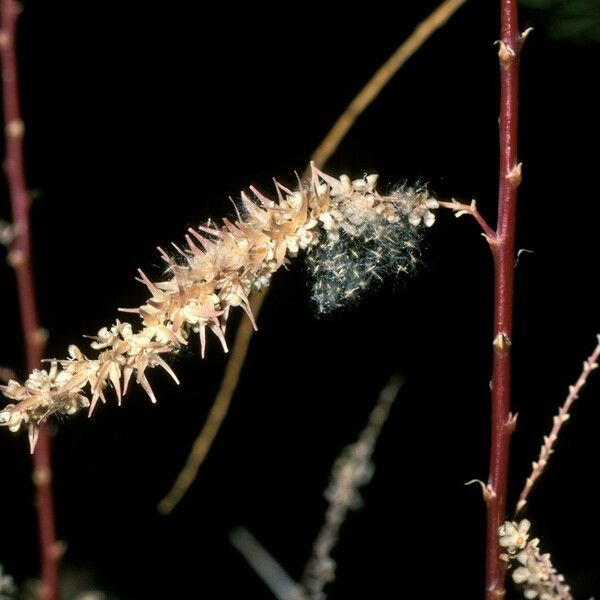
(351, 233)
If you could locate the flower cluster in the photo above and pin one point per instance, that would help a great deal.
(346, 226)
(535, 571)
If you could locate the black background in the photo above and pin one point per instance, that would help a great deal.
(141, 120)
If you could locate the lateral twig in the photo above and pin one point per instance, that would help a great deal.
(558, 421)
(461, 209)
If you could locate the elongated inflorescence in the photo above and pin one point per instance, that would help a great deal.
(348, 229)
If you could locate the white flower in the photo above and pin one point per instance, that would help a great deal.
(514, 536)
(422, 212)
(537, 575)
(521, 575)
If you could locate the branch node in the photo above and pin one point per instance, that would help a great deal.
(511, 424)
(491, 240)
(506, 54)
(15, 128)
(41, 477)
(514, 177)
(487, 491)
(7, 233)
(502, 342)
(461, 209)
(39, 337)
(58, 549)
(15, 258)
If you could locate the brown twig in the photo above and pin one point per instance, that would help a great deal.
(20, 259)
(558, 421)
(381, 78)
(320, 156)
(218, 411)
(503, 249)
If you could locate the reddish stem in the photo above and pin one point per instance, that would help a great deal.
(20, 258)
(503, 248)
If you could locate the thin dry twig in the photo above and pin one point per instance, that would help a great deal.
(365, 97)
(218, 411)
(559, 420)
(320, 156)
(282, 586)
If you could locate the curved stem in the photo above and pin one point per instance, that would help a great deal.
(217, 413)
(320, 156)
(20, 259)
(424, 30)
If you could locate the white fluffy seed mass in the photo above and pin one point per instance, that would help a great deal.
(372, 240)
